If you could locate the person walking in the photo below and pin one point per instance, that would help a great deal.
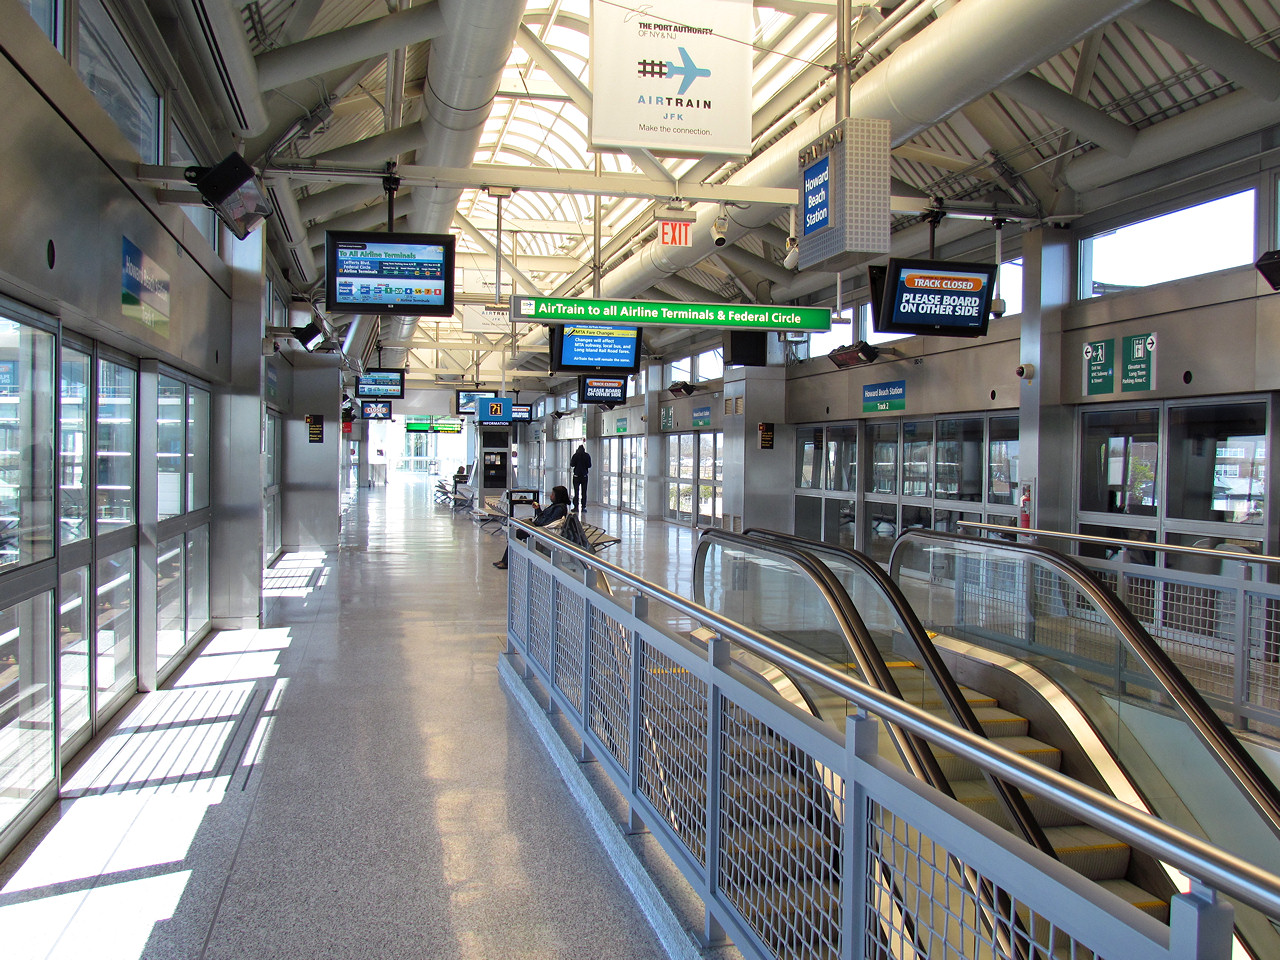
(580, 464)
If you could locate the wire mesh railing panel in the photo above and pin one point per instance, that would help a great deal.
(922, 902)
(570, 618)
(609, 709)
(1195, 627)
(780, 839)
(517, 576)
(540, 616)
(1262, 681)
(673, 764)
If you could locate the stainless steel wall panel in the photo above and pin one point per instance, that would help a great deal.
(65, 187)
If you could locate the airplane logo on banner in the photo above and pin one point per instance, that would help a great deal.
(686, 70)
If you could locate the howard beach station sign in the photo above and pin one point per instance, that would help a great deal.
(666, 314)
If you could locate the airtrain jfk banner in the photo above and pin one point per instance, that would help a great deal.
(672, 76)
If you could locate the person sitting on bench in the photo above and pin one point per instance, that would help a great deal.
(557, 509)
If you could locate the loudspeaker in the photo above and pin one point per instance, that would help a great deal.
(746, 348)
(1269, 266)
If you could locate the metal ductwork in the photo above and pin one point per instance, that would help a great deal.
(287, 224)
(981, 44)
(463, 73)
(217, 36)
(317, 55)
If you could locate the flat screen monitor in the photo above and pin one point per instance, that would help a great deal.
(402, 273)
(465, 401)
(942, 298)
(380, 384)
(595, 348)
(610, 390)
(522, 413)
(375, 409)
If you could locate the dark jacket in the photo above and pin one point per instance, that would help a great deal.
(580, 462)
(550, 514)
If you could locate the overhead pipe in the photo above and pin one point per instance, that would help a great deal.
(376, 149)
(1196, 37)
(287, 224)
(1083, 120)
(317, 55)
(981, 44)
(218, 38)
(463, 74)
(363, 219)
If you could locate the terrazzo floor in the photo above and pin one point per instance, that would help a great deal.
(348, 781)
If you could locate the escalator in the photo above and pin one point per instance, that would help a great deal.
(1043, 661)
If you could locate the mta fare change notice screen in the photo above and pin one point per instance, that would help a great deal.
(598, 346)
(399, 274)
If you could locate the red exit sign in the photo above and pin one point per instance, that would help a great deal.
(674, 233)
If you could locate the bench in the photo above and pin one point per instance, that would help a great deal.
(442, 493)
(463, 499)
(493, 511)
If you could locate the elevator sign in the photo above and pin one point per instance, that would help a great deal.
(1139, 372)
(675, 233)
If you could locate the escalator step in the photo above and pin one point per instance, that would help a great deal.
(957, 768)
(977, 796)
(995, 721)
(1090, 852)
(1144, 901)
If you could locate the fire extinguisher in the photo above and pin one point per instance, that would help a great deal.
(1024, 509)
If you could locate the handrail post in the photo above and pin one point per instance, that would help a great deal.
(640, 610)
(861, 742)
(1201, 925)
(718, 657)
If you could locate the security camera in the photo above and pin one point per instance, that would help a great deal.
(997, 307)
(793, 254)
(718, 228)
(1025, 371)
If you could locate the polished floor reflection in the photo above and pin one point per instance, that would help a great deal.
(349, 781)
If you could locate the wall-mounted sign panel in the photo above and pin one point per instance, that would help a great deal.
(879, 397)
(672, 76)
(434, 425)
(493, 409)
(664, 314)
(702, 416)
(1099, 367)
(144, 289)
(844, 195)
(315, 428)
(1139, 371)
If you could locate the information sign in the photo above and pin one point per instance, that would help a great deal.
(766, 435)
(144, 289)
(702, 416)
(675, 233)
(817, 196)
(668, 418)
(667, 314)
(1099, 367)
(315, 428)
(621, 425)
(1139, 371)
(878, 397)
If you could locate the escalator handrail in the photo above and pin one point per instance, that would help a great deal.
(1226, 748)
(1218, 868)
(1014, 803)
(917, 753)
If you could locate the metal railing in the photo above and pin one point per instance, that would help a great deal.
(804, 844)
(1222, 628)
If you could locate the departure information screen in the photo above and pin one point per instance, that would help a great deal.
(409, 273)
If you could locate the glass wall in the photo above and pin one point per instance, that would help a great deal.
(1192, 473)
(117, 415)
(26, 447)
(622, 473)
(911, 473)
(73, 651)
(73, 446)
(26, 703)
(694, 477)
(112, 73)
